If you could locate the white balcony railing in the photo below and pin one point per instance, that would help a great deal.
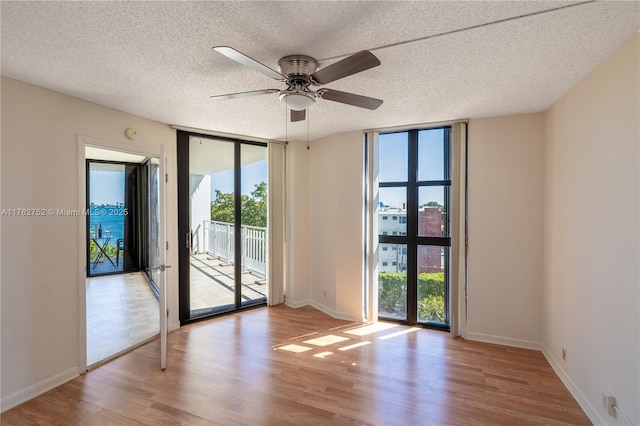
(219, 242)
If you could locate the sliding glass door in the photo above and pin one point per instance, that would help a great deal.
(222, 190)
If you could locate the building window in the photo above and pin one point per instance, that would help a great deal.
(385, 248)
(385, 217)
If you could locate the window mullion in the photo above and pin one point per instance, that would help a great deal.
(412, 228)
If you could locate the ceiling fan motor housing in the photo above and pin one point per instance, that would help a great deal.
(296, 67)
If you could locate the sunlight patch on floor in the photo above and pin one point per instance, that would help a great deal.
(294, 348)
(399, 333)
(371, 328)
(326, 340)
(355, 345)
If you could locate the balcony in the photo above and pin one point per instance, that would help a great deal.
(219, 242)
(212, 262)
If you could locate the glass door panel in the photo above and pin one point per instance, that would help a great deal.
(254, 176)
(212, 210)
(106, 219)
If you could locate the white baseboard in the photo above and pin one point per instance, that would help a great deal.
(506, 341)
(333, 313)
(295, 304)
(32, 391)
(588, 408)
(325, 309)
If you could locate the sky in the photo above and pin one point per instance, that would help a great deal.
(106, 187)
(393, 160)
(252, 174)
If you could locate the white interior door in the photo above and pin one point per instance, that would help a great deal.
(163, 259)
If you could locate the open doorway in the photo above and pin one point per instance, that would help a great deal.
(123, 247)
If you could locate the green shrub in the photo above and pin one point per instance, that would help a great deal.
(392, 295)
(93, 250)
(431, 309)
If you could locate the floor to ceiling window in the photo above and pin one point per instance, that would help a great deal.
(414, 189)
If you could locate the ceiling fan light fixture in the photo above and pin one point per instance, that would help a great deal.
(297, 101)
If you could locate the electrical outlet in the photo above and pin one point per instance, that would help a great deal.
(609, 402)
(564, 354)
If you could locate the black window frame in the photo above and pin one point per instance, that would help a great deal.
(412, 240)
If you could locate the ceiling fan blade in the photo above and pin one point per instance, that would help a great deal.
(243, 59)
(244, 94)
(350, 98)
(355, 63)
(298, 115)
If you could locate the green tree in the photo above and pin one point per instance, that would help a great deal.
(433, 204)
(222, 207)
(253, 207)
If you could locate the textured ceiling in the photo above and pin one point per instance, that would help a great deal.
(154, 59)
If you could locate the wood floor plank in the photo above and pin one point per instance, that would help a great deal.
(283, 366)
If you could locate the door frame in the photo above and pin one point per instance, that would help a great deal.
(88, 141)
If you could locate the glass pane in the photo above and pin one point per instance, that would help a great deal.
(254, 222)
(432, 217)
(107, 215)
(431, 283)
(392, 217)
(393, 160)
(392, 281)
(211, 164)
(431, 155)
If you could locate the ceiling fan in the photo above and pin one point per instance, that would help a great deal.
(299, 72)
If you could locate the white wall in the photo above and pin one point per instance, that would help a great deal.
(200, 209)
(505, 201)
(41, 256)
(336, 176)
(591, 278)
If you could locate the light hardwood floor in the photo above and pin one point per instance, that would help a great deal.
(122, 311)
(283, 366)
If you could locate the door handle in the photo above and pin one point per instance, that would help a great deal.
(161, 268)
